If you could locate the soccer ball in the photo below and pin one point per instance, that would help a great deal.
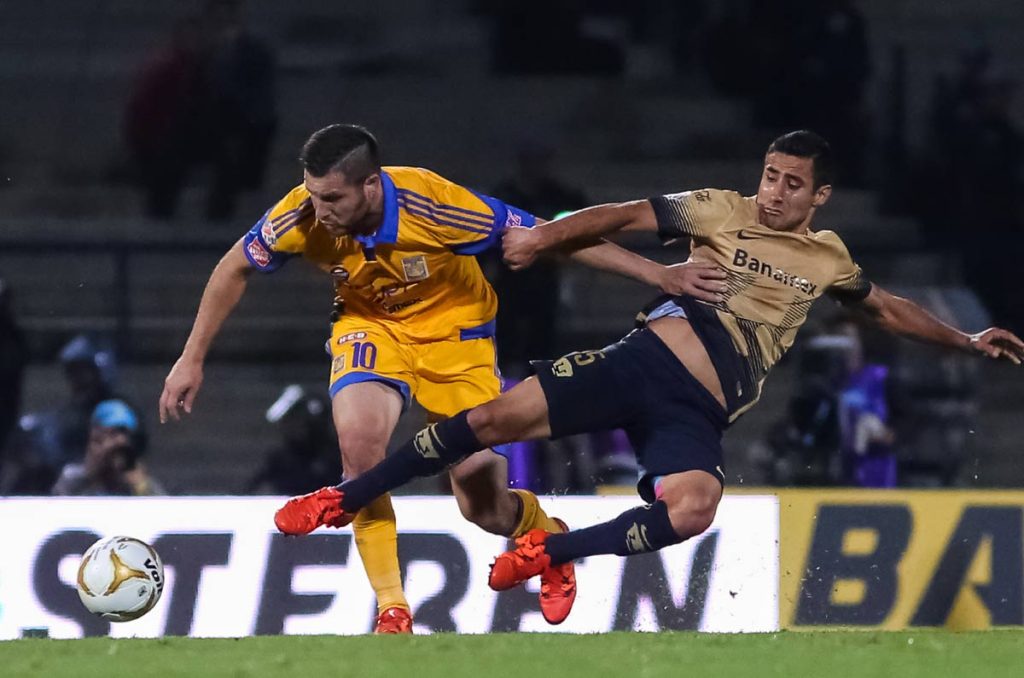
(120, 578)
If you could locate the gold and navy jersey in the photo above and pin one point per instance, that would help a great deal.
(415, 275)
(773, 279)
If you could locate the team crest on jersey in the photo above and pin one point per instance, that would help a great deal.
(351, 336)
(702, 195)
(258, 252)
(267, 231)
(415, 268)
(513, 219)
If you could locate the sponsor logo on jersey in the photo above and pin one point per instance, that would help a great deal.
(351, 336)
(415, 268)
(258, 252)
(338, 364)
(743, 259)
(744, 235)
(267, 231)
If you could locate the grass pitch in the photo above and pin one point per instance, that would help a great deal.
(834, 654)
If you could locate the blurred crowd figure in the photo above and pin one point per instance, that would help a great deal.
(46, 441)
(836, 430)
(974, 139)
(306, 456)
(111, 465)
(206, 98)
(13, 359)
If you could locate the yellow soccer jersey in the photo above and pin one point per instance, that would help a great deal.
(773, 279)
(415, 275)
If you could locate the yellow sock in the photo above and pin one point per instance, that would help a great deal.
(533, 515)
(377, 541)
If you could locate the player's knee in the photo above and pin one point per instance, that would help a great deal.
(487, 424)
(692, 515)
(360, 451)
(692, 505)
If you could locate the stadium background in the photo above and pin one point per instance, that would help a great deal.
(665, 109)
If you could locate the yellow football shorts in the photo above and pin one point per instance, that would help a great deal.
(445, 377)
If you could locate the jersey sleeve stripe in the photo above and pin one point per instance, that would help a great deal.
(469, 216)
(284, 216)
(437, 218)
(283, 226)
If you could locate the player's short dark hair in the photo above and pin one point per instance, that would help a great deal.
(806, 144)
(349, 149)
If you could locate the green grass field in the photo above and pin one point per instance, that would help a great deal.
(936, 654)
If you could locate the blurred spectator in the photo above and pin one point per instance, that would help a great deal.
(801, 449)
(163, 120)
(206, 97)
(867, 455)
(241, 82)
(307, 455)
(112, 464)
(528, 300)
(13, 358)
(33, 458)
(89, 369)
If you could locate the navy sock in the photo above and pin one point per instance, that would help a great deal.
(430, 451)
(639, 530)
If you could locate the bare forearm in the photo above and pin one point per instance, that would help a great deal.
(223, 291)
(906, 318)
(606, 256)
(592, 223)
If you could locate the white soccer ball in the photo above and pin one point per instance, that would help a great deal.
(120, 578)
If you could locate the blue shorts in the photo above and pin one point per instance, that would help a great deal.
(638, 385)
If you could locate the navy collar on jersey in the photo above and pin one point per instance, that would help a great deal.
(388, 231)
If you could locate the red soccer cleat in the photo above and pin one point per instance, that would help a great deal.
(394, 620)
(302, 515)
(525, 561)
(558, 588)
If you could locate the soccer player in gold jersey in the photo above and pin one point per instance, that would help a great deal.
(676, 383)
(417, 322)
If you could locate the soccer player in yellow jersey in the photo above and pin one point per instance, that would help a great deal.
(692, 368)
(415, 320)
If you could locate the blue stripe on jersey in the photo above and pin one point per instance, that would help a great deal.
(480, 219)
(436, 218)
(478, 246)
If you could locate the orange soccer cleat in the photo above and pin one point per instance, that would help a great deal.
(302, 515)
(527, 560)
(394, 620)
(558, 588)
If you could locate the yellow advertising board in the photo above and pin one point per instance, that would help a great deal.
(900, 559)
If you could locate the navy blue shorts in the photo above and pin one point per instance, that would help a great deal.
(638, 385)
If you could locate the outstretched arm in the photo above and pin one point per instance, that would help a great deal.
(904, 317)
(579, 229)
(698, 279)
(578, 235)
(224, 289)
